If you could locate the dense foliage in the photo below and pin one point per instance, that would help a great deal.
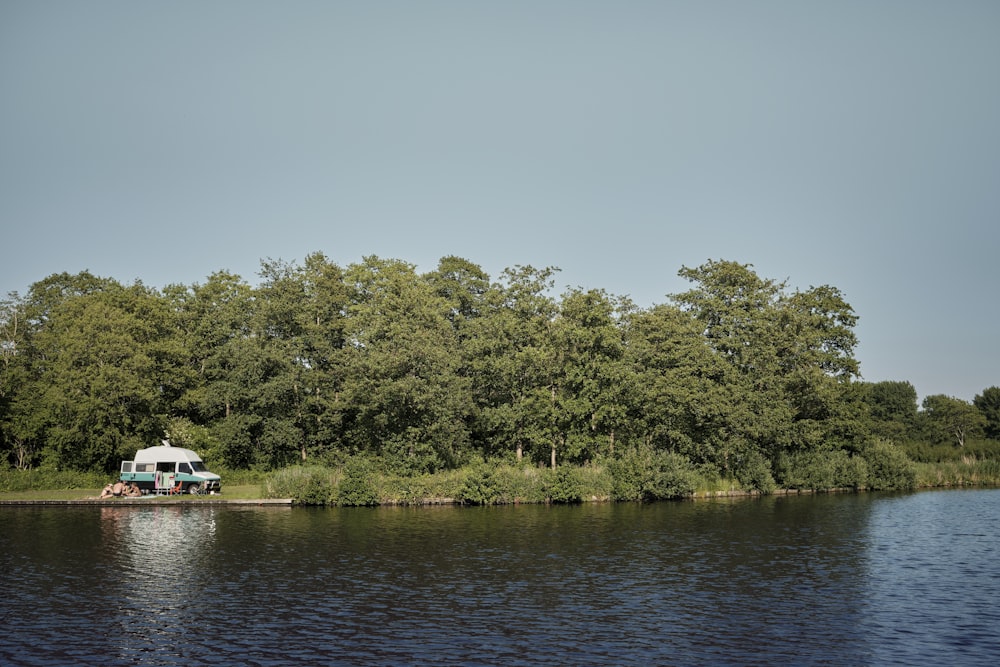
(374, 368)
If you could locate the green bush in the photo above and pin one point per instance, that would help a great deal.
(646, 475)
(889, 469)
(563, 486)
(47, 480)
(495, 482)
(521, 483)
(232, 477)
(480, 486)
(357, 487)
(312, 485)
(820, 470)
(407, 489)
(754, 473)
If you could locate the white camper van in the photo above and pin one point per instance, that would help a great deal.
(166, 469)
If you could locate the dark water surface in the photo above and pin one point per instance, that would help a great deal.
(832, 579)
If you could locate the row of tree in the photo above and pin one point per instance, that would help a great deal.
(431, 371)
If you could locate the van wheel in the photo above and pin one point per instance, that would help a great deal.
(194, 489)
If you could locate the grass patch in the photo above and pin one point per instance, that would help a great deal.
(51, 494)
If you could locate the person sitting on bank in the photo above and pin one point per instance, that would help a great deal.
(107, 492)
(133, 491)
(118, 489)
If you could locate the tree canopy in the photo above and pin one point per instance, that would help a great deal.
(432, 371)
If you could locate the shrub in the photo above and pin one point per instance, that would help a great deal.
(889, 469)
(563, 486)
(521, 483)
(357, 485)
(313, 485)
(46, 480)
(821, 470)
(647, 475)
(480, 486)
(754, 473)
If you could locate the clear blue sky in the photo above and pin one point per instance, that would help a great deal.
(850, 143)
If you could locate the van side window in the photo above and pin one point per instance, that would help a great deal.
(166, 466)
(184, 467)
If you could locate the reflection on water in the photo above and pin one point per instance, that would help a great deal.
(808, 580)
(161, 553)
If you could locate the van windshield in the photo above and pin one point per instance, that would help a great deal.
(198, 466)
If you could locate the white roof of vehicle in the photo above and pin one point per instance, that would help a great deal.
(165, 453)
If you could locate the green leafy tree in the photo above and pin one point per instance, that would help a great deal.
(302, 311)
(738, 313)
(238, 392)
(817, 364)
(215, 323)
(23, 413)
(988, 404)
(20, 423)
(106, 371)
(952, 419)
(586, 373)
(411, 405)
(789, 356)
(511, 356)
(463, 285)
(893, 407)
(681, 399)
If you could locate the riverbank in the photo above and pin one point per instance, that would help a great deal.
(149, 501)
(477, 485)
(163, 501)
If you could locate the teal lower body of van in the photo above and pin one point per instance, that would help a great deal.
(158, 482)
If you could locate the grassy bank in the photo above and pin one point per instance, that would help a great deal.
(361, 483)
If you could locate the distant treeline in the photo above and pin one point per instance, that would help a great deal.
(739, 377)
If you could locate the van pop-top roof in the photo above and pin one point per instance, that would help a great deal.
(165, 453)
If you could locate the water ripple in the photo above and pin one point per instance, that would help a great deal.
(826, 580)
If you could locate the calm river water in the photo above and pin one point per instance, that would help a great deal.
(831, 579)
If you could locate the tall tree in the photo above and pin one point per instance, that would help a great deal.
(950, 418)
(816, 362)
(511, 356)
(303, 319)
(587, 374)
(216, 320)
(988, 404)
(738, 313)
(682, 400)
(791, 357)
(20, 429)
(23, 413)
(106, 373)
(411, 406)
(463, 285)
(892, 405)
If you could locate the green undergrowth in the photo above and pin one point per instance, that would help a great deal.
(642, 475)
(968, 472)
(637, 475)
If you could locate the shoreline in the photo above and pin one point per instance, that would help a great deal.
(157, 502)
(430, 501)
